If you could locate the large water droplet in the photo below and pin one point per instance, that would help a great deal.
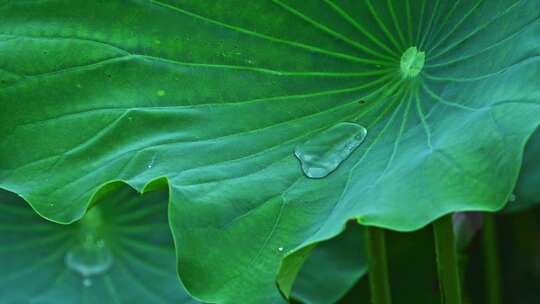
(91, 255)
(322, 154)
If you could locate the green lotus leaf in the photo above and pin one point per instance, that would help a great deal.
(210, 99)
(121, 251)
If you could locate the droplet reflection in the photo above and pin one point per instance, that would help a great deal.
(323, 153)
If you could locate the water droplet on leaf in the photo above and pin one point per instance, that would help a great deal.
(160, 93)
(280, 249)
(152, 161)
(512, 198)
(322, 154)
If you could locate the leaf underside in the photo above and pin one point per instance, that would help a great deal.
(209, 99)
(33, 254)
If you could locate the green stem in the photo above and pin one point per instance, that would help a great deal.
(378, 267)
(447, 262)
(491, 260)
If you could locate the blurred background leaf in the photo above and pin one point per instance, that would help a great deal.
(333, 268)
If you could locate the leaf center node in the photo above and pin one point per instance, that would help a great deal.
(412, 62)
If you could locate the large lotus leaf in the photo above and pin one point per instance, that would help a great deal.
(527, 192)
(120, 252)
(210, 98)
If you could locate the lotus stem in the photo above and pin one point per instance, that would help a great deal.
(378, 267)
(491, 260)
(447, 261)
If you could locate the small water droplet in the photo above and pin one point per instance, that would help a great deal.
(280, 249)
(322, 154)
(87, 282)
(152, 161)
(512, 198)
(160, 93)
